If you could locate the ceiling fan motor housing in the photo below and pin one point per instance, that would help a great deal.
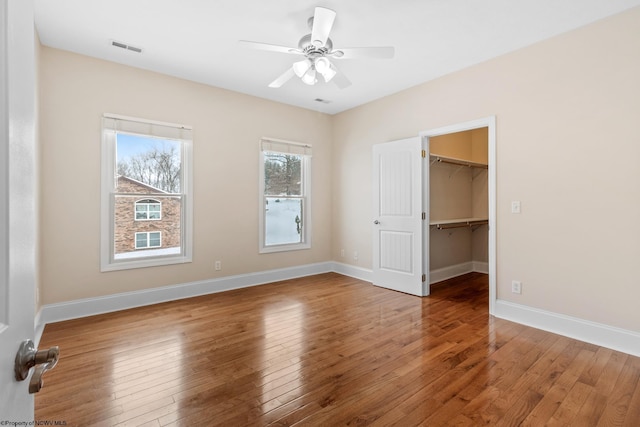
(311, 50)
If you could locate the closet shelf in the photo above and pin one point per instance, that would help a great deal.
(452, 160)
(443, 224)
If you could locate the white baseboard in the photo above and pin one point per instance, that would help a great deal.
(452, 271)
(353, 271)
(480, 267)
(595, 333)
(91, 306)
(580, 329)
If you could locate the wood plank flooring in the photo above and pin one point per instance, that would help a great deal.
(330, 350)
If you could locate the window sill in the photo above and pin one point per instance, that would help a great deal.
(130, 263)
(284, 248)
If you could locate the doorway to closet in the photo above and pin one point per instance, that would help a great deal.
(459, 189)
(419, 239)
(458, 204)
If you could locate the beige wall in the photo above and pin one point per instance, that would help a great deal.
(480, 145)
(74, 93)
(567, 147)
(468, 145)
(456, 145)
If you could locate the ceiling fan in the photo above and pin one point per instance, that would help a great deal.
(317, 49)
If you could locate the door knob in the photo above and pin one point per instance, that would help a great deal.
(376, 222)
(28, 357)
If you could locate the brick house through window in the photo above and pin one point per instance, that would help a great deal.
(146, 218)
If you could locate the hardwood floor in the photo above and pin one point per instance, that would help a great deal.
(330, 350)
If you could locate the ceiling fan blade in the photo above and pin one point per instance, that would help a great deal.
(322, 23)
(284, 77)
(340, 79)
(269, 47)
(385, 52)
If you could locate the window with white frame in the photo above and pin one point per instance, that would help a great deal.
(285, 196)
(148, 210)
(147, 240)
(146, 193)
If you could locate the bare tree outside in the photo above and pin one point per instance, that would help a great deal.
(282, 174)
(147, 201)
(159, 166)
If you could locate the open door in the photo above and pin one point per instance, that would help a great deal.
(18, 205)
(397, 216)
(491, 188)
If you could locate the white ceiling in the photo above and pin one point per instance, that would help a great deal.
(198, 39)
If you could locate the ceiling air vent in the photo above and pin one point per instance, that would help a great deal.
(324, 101)
(126, 46)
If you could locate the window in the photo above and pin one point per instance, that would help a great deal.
(146, 193)
(148, 240)
(148, 209)
(285, 202)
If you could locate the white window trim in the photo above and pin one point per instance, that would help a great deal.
(148, 240)
(108, 184)
(286, 147)
(140, 202)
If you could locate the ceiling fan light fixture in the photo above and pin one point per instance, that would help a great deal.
(322, 64)
(301, 67)
(329, 73)
(309, 77)
(317, 50)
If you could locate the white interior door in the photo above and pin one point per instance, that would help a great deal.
(397, 216)
(17, 201)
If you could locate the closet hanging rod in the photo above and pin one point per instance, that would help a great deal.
(446, 224)
(454, 161)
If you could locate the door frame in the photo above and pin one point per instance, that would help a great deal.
(490, 123)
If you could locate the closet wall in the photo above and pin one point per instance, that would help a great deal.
(458, 192)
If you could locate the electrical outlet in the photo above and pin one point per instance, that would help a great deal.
(516, 287)
(218, 265)
(342, 253)
(355, 255)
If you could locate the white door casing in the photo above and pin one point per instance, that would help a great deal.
(490, 123)
(396, 251)
(397, 216)
(18, 200)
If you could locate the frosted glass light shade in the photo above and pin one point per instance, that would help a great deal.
(309, 77)
(301, 67)
(329, 73)
(322, 64)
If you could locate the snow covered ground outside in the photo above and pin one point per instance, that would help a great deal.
(148, 253)
(280, 221)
